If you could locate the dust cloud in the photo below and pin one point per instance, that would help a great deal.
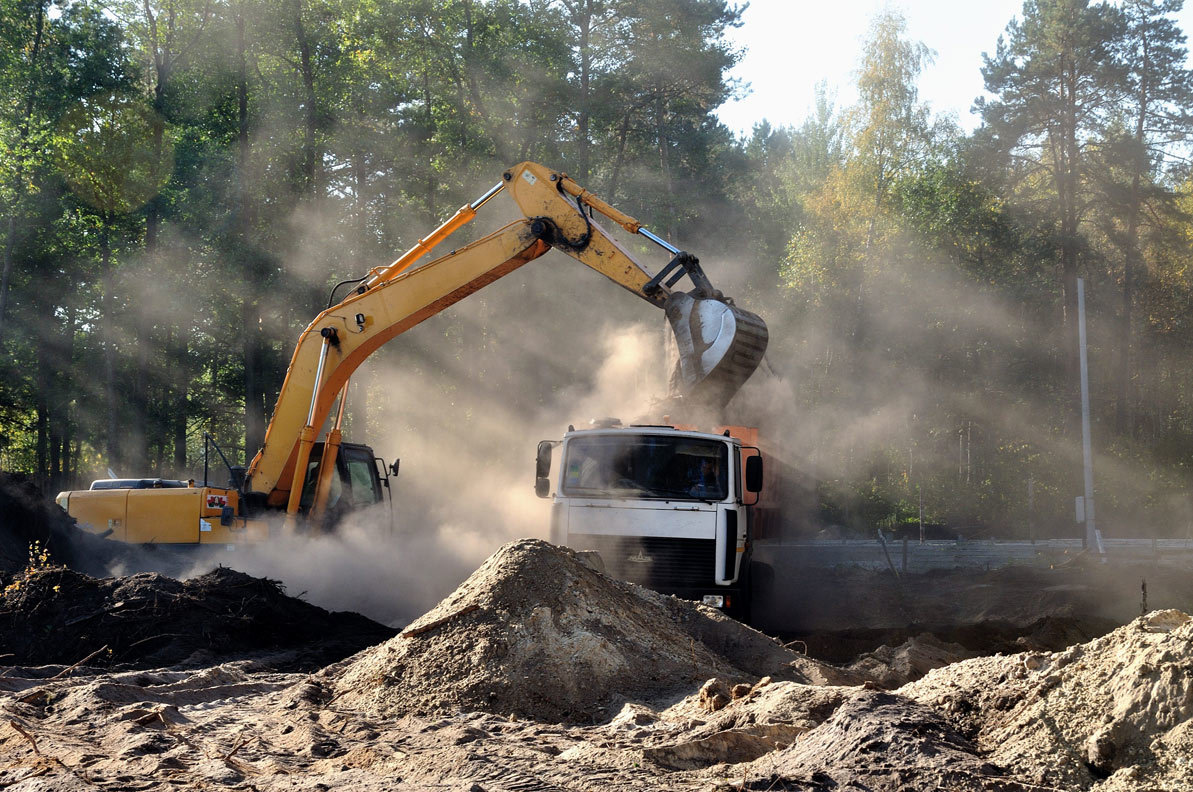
(466, 479)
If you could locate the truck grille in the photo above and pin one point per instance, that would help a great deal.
(663, 564)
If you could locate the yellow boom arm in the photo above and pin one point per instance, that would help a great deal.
(398, 297)
(392, 299)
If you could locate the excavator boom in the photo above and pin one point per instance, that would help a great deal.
(719, 344)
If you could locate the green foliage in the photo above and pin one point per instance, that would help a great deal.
(181, 182)
(927, 275)
(105, 153)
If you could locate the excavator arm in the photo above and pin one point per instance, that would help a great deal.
(720, 345)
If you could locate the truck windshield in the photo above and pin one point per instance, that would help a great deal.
(646, 466)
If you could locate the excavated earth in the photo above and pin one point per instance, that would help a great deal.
(540, 673)
(53, 614)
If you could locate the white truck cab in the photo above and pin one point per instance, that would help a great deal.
(663, 507)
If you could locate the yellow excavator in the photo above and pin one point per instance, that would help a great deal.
(719, 345)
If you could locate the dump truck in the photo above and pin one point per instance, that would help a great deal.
(681, 508)
(298, 472)
(664, 506)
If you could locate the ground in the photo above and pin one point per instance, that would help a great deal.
(541, 673)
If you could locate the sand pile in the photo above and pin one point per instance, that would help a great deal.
(889, 667)
(56, 615)
(791, 736)
(536, 633)
(881, 743)
(1112, 714)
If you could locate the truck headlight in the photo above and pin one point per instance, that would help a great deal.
(714, 600)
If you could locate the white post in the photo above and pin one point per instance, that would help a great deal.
(1093, 537)
(920, 489)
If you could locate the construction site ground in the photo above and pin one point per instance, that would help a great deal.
(541, 673)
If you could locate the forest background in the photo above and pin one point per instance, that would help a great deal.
(182, 182)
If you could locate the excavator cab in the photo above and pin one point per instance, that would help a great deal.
(358, 481)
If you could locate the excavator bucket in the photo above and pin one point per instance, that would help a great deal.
(719, 344)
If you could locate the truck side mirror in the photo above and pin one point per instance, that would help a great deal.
(542, 469)
(393, 469)
(754, 474)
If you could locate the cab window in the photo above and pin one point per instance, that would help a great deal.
(362, 478)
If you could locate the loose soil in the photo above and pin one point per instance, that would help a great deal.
(541, 673)
(537, 633)
(29, 521)
(599, 685)
(57, 615)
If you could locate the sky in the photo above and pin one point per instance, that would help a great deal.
(790, 45)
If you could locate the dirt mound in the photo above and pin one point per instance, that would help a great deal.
(784, 735)
(1115, 710)
(890, 667)
(56, 615)
(537, 633)
(30, 520)
(882, 743)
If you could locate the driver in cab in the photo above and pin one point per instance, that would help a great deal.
(703, 479)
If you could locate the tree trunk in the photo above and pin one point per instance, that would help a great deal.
(619, 160)
(310, 156)
(178, 359)
(1070, 217)
(476, 96)
(1123, 414)
(660, 108)
(60, 412)
(42, 408)
(254, 402)
(22, 136)
(584, 23)
(108, 334)
(429, 130)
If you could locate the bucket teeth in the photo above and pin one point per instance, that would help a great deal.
(719, 344)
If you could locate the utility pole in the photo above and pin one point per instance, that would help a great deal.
(1093, 537)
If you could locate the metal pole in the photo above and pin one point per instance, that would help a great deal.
(672, 249)
(920, 490)
(479, 202)
(318, 379)
(1092, 537)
